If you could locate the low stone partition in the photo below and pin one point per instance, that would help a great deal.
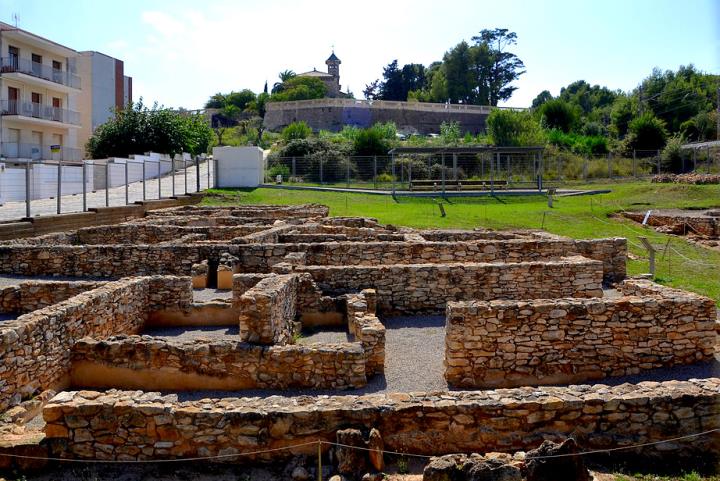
(366, 328)
(699, 222)
(126, 426)
(426, 288)
(153, 259)
(268, 310)
(138, 233)
(505, 343)
(144, 362)
(28, 296)
(35, 348)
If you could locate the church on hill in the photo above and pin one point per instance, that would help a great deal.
(331, 78)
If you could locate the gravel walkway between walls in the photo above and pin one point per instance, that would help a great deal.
(204, 295)
(213, 333)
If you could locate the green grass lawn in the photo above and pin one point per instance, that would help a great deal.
(679, 263)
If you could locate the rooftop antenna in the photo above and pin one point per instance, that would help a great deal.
(15, 19)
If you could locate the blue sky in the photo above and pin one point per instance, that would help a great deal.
(180, 52)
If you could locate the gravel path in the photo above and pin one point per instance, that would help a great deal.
(192, 333)
(204, 295)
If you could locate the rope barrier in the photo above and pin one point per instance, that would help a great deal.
(362, 448)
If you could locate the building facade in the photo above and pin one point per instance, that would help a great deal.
(331, 78)
(39, 90)
(52, 97)
(105, 88)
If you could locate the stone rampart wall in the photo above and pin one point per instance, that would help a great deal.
(124, 426)
(33, 295)
(139, 362)
(426, 288)
(506, 343)
(268, 310)
(414, 118)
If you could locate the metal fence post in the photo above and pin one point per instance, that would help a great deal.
(609, 166)
(634, 165)
(173, 175)
(143, 178)
(375, 172)
(492, 173)
(207, 164)
(84, 186)
(321, 172)
(585, 167)
(127, 183)
(442, 162)
(294, 171)
(107, 183)
(185, 169)
(28, 194)
(159, 179)
(197, 173)
(455, 173)
(59, 186)
(392, 166)
(657, 161)
(347, 173)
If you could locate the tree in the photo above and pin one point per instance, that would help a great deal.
(503, 67)
(372, 90)
(296, 130)
(558, 114)
(456, 67)
(300, 88)
(623, 111)
(241, 99)
(217, 101)
(648, 132)
(541, 98)
(284, 76)
(138, 129)
(514, 128)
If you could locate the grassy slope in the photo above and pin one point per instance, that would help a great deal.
(684, 265)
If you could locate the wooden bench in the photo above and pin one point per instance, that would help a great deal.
(437, 185)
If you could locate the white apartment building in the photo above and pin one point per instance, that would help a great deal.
(39, 92)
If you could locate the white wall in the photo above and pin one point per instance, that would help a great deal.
(43, 181)
(239, 166)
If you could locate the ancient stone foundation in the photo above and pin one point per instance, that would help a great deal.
(122, 425)
(506, 343)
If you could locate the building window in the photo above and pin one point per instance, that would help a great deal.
(37, 64)
(14, 57)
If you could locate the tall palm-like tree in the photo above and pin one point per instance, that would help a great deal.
(284, 76)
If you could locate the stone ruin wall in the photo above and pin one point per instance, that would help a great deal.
(177, 259)
(426, 288)
(35, 348)
(267, 311)
(507, 343)
(31, 296)
(702, 225)
(366, 328)
(139, 362)
(119, 425)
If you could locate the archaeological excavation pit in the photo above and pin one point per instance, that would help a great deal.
(237, 329)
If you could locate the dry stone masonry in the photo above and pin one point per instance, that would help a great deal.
(523, 310)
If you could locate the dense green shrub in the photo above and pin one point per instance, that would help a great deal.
(648, 132)
(296, 130)
(450, 132)
(371, 141)
(579, 144)
(558, 114)
(412, 166)
(514, 128)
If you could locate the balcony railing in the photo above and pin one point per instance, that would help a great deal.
(14, 150)
(22, 65)
(39, 111)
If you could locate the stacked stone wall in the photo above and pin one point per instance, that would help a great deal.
(268, 310)
(33, 295)
(35, 348)
(507, 343)
(124, 260)
(140, 362)
(124, 426)
(153, 234)
(426, 288)
(366, 328)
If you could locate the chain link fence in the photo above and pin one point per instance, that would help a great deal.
(472, 172)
